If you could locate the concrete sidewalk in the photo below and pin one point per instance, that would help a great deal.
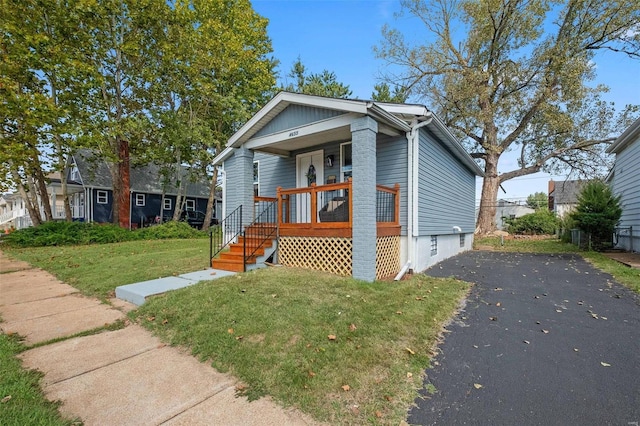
(122, 377)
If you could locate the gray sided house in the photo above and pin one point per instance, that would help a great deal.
(91, 191)
(362, 188)
(563, 196)
(625, 182)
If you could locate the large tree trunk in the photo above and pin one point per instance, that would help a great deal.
(211, 202)
(490, 185)
(41, 187)
(34, 211)
(123, 196)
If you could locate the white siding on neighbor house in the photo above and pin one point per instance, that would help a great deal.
(391, 168)
(446, 190)
(626, 183)
(295, 116)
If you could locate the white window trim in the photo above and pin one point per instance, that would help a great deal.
(190, 205)
(256, 182)
(141, 200)
(102, 195)
(344, 169)
(166, 203)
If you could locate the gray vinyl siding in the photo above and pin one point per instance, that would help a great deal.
(275, 171)
(296, 116)
(233, 198)
(626, 183)
(391, 168)
(446, 190)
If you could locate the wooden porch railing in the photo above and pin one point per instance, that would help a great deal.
(327, 210)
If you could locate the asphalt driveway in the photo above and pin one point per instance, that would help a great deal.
(543, 339)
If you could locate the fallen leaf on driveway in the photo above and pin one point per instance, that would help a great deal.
(545, 331)
(575, 349)
(526, 341)
(498, 304)
(493, 318)
(604, 364)
(477, 385)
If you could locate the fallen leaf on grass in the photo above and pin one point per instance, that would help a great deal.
(331, 337)
(239, 337)
(388, 398)
(151, 318)
(477, 385)
(165, 322)
(378, 413)
(604, 364)
(5, 399)
(230, 331)
(352, 327)
(346, 388)
(410, 351)
(311, 374)
(409, 375)
(355, 410)
(399, 312)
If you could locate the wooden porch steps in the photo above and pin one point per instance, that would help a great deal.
(232, 260)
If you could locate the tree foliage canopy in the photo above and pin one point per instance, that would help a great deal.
(538, 200)
(323, 84)
(511, 75)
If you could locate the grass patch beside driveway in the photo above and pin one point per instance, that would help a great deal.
(342, 350)
(625, 275)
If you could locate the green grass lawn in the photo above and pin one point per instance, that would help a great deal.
(625, 275)
(21, 399)
(342, 350)
(97, 269)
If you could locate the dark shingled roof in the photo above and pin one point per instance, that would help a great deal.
(566, 192)
(94, 172)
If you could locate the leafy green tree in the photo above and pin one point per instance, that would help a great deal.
(542, 222)
(510, 75)
(383, 93)
(597, 213)
(323, 84)
(538, 200)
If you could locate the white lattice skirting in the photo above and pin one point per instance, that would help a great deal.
(334, 254)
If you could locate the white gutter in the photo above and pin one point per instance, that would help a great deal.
(412, 189)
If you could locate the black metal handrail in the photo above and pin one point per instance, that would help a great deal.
(225, 233)
(264, 227)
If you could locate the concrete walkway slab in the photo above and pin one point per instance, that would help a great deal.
(138, 292)
(30, 285)
(147, 389)
(225, 408)
(43, 328)
(8, 264)
(46, 307)
(70, 358)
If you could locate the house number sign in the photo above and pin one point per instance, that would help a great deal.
(294, 133)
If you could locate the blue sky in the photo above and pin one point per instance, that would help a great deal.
(339, 36)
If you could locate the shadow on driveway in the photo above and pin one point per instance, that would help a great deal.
(543, 339)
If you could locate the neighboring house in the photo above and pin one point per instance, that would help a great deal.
(563, 196)
(510, 210)
(13, 212)
(361, 188)
(91, 195)
(625, 182)
(90, 188)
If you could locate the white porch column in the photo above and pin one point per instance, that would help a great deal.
(239, 186)
(363, 134)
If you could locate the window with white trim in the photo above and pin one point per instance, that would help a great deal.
(256, 178)
(434, 245)
(102, 197)
(190, 205)
(140, 200)
(346, 161)
(166, 204)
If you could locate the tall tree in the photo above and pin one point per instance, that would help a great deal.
(323, 84)
(537, 200)
(516, 78)
(383, 93)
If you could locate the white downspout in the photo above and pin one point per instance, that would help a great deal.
(412, 187)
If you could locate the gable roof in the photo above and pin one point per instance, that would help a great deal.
(566, 192)
(631, 134)
(392, 119)
(94, 172)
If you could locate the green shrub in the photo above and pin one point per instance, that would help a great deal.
(71, 233)
(566, 224)
(597, 213)
(542, 222)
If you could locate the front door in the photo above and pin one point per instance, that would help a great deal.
(309, 169)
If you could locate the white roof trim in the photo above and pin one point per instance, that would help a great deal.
(628, 136)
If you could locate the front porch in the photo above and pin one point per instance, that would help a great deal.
(314, 230)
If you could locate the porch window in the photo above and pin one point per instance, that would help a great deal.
(140, 200)
(434, 245)
(346, 165)
(166, 204)
(256, 178)
(101, 197)
(190, 205)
